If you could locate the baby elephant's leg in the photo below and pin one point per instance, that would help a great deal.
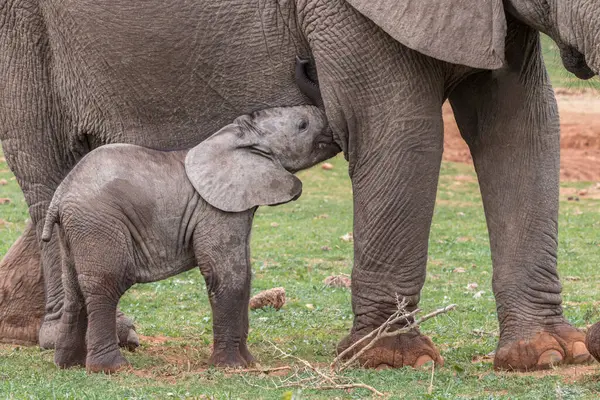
(102, 263)
(222, 251)
(70, 342)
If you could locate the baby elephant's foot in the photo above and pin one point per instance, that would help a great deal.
(108, 362)
(232, 358)
(69, 357)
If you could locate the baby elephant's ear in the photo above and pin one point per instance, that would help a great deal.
(233, 173)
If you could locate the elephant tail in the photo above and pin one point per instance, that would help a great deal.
(51, 218)
(309, 88)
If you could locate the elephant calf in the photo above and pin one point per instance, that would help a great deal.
(129, 214)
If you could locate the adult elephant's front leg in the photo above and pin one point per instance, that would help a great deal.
(394, 192)
(383, 101)
(510, 120)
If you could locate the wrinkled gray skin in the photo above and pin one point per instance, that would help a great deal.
(82, 74)
(130, 215)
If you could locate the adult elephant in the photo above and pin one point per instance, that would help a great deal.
(78, 74)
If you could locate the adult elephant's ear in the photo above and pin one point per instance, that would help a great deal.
(467, 32)
(233, 172)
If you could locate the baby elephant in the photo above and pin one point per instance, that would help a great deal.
(128, 214)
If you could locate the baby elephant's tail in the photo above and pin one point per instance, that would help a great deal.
(51, 219)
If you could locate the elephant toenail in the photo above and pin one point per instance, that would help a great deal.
(383, 367)
(580, 353)
(423, 361)
(549, 357)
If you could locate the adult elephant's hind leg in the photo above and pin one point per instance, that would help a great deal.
(394, 195)
(510, 121)
(21, 290)
(35, 133)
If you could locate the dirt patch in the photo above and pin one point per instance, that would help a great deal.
(155, 340)
(568, 373)
(574, 194)
(580, 136)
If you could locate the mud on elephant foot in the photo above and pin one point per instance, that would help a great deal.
(126, 333)
(560, 344)
(408, 349)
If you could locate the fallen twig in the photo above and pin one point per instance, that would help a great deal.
(430, 390)
(392, 319)
(330, 379)
(306, 364)
(384, 331)
(318, 384)
(259, 370)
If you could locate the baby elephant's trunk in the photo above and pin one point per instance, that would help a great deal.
(309, 88)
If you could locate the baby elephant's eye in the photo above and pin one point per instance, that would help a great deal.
(303, 124)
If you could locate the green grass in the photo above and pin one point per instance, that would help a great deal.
(287, 251)
(290, 255)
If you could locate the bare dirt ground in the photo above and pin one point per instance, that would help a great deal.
(580, 136)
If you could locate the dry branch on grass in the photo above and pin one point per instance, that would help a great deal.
(330, 378)
(317, 380)
(401, 315)
(259, 370)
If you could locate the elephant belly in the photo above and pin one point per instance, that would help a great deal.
(167, 74)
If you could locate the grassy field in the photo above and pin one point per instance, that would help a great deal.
(288, 241)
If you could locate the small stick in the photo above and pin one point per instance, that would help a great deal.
(430, 390)
(306, 363)
(383, 332)
(353, 386)
(333, 381)
(391, 320)
(260, 370)
(330, 379)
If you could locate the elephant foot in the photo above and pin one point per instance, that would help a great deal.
(67, 358)
(408, 349)
(107, 363)
(563, 344)
(592, 341)
(126, 333)
(239, 358)
(49, 331)
(246, 355)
